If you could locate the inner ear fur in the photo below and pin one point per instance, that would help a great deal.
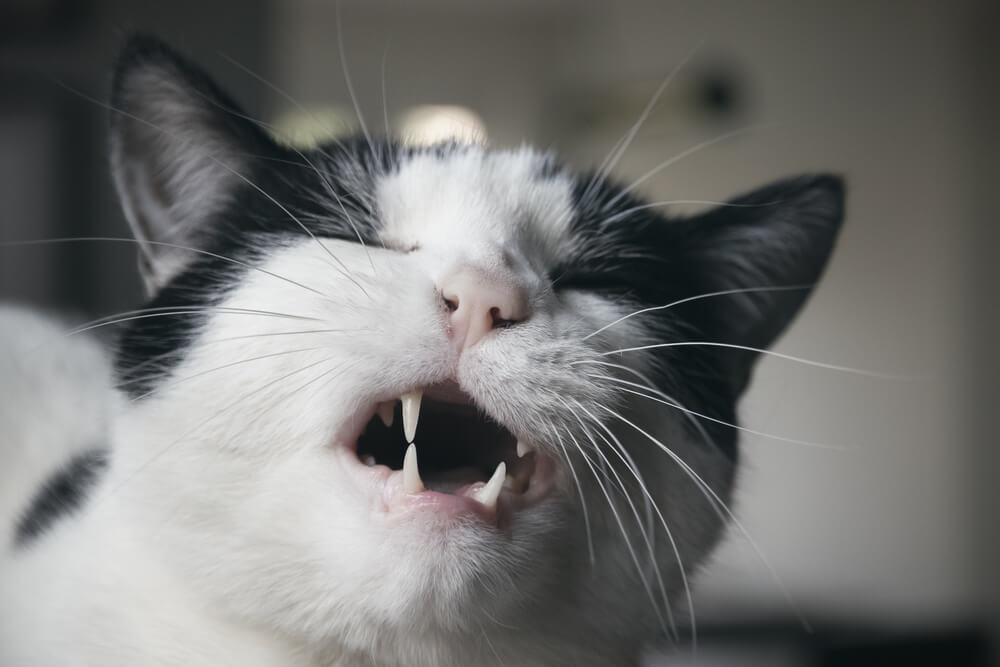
(179, 149)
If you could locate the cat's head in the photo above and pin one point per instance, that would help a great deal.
(297, 296)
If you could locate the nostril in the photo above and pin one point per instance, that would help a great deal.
(478, 303)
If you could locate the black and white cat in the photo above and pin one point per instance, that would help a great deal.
(565, 361)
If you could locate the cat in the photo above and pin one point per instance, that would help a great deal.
(387, 405)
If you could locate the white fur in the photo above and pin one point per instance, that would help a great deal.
(228, 531)
(54, 401)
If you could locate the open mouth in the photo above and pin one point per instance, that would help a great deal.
(436, 448)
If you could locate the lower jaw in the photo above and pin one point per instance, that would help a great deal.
(453, 506)
(386, 489)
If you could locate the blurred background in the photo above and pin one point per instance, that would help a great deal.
(888, 543)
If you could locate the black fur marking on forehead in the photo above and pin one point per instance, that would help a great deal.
(63, 493)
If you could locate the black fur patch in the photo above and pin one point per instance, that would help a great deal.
(779, 236)
(63, 493)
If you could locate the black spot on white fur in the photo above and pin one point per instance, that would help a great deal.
(62, 494)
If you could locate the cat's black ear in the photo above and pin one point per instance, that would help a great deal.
(774, 243)
(179, 151)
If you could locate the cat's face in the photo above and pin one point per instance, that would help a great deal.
(557, 487)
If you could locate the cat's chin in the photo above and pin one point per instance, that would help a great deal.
(486, 473)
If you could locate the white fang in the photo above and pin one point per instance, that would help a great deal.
(411, 472)
(488, 494)
(411, 413)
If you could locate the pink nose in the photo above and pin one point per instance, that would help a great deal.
(479, 303)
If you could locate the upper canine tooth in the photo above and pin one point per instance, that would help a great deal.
(411, 412)
(411, 473)
(385, 412)
(488, 494)
(522, 449)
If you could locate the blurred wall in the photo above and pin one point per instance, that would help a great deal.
(55, 63)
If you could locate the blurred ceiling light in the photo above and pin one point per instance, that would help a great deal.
(431, 124)
(309, 127)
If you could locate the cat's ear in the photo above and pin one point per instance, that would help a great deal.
(774, 243)
(179, 151)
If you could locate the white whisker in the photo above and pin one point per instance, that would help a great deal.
(174, 382)
(722, 507)
(170, 311)
(630, 135)
(579, 489)
(644, 531)
(152, 360)
(280, 91)
(489, 644)
(329, 374)
(621, 526)
(347, 81)
(116, 239)
(622, 145)
(680, 156)
(748, 348)
(619, 449)
(696, 297)
(385, 97)
(679, 202)
(152, 459)
(676, 404)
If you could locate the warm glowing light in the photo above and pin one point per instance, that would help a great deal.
(431, 124)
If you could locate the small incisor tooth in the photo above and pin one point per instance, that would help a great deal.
(488, 494)
(522, 449)
(385, 412)
(411, 413)
(411, 473)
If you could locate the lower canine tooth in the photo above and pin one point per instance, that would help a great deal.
(411, 473)
(488, 494)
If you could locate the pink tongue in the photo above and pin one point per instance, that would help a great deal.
(451, 481)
